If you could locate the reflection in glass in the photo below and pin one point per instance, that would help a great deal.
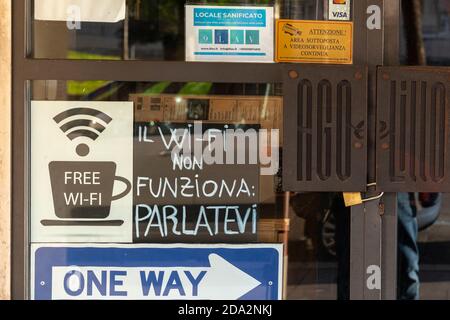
(150, 30)
(312, 264)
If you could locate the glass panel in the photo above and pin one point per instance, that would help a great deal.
(433, 222)
(154, 162)
(159, 109)
(126, 135)
(436, 33)
(144, 30)
(319, 242)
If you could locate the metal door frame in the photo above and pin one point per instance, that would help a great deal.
(372, 48)
(373, 234)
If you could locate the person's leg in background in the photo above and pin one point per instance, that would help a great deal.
(408, 251)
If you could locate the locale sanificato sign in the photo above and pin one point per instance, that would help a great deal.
(156, 272)
(229, 33)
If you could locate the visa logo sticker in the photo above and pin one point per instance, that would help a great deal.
(339, 10)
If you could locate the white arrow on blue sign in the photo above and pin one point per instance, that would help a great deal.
(156, 272)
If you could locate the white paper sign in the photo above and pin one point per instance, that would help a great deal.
(81, 171)
(339, 9)
(85, 10)
(229, 33)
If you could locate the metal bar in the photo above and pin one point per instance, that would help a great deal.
(357, 239)
(176, 71)
(389, 219)
(19, 189)
(366, 228)
(357, 234)
(372, 220)
(372, 246)
(360, 32)
(389, 248)
(287, 196)
(392, 32)
(375, 57)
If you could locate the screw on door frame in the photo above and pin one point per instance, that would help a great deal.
(293, 74)
(381, 209)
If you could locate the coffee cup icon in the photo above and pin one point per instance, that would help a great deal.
(83, 192)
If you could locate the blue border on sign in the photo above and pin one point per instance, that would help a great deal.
(260, 263)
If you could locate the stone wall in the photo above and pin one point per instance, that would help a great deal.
(5, 150)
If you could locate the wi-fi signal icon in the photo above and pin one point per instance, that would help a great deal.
(86, 122)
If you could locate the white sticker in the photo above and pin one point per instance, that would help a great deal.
(86, 10)
(81, 171)
(339, 9)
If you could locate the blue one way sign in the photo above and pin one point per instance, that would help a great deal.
(206, 272)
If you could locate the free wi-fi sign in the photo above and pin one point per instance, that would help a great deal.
(81, 171)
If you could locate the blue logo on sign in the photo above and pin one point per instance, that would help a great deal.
(221, 36)
(205, 36)
(217, 17)
(237, 36)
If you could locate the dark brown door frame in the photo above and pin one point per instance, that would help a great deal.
(369, 50)
(374, 224)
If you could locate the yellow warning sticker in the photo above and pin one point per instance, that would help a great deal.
(310, 41)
